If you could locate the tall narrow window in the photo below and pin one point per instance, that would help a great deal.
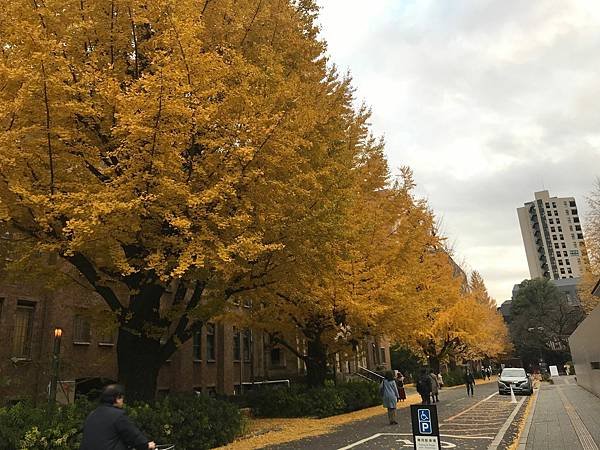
(247, 344)
(23, 329)
(236, 344)
(81, 330)
(197, 346)
(210, 342)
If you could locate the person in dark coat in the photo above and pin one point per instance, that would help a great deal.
(470, 382)
(424, 387)
(108, 427)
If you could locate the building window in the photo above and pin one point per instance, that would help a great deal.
(560, 229)
(557, 220)
(211, 391)
(569, 270)
(106, 338)
(210, 342)
(556, 245)
(576, 219)
(563, 245)
(81, 330)
(382, 355)
(577, 227)
(554, 237)
(580, 235)
(560, 263)
(565, 253)
(595, 365)
(552, 229)
(197, 346)
(574, 212)
(554, 204)
(567, 262)
(276, 357)
(23, 329)
(549, 212)
(547, 205)
(551, 221)
(562, 271)
(574, 252)
(236, 344)
(247, 345)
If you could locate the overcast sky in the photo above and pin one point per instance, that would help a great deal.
(486, 100)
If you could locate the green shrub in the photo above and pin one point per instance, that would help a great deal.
(301, 401)
(191, 422)
(188, 421)
(454, 378)
(26, 427)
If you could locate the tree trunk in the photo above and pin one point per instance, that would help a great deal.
(139, 354)
(139, 362)
(316, 363)
(434, 363)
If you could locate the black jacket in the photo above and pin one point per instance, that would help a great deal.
(108, 428)
(424, 385)
(469, 378)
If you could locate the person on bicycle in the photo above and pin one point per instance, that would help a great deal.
(109, 428)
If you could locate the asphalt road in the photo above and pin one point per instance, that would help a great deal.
(486, 420)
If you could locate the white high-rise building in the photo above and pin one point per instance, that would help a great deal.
(553, 237)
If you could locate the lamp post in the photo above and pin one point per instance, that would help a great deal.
(55, 362)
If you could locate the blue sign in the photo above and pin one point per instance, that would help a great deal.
(424, 418)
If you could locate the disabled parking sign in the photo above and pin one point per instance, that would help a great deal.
(424, 417)
(426, 432)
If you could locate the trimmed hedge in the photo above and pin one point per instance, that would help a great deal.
(301, 401)
(190, 422)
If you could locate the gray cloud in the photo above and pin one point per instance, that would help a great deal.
(487, 100)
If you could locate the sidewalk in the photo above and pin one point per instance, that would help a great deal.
(564, 416)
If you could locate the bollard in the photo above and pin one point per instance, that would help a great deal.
(513, 399)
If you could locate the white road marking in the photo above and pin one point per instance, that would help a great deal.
(469, 409)
(496, 442)
(445, 444)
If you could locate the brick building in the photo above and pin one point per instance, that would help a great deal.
(213, 361)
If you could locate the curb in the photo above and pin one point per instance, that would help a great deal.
(525, 434)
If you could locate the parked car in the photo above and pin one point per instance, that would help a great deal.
(516, 377)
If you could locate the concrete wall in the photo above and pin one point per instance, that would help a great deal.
(585, 349)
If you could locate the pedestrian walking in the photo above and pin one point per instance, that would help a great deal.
(440, 380)
(435, 387)
(470, 382)
(108, 427)
(424, 387)
(400, 386)
(389, 394)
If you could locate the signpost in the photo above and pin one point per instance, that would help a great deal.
(425, 428)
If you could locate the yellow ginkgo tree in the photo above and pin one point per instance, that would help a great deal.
(151, 144)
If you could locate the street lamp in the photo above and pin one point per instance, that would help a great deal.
(55, 362)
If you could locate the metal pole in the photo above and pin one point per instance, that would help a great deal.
(55, 365)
